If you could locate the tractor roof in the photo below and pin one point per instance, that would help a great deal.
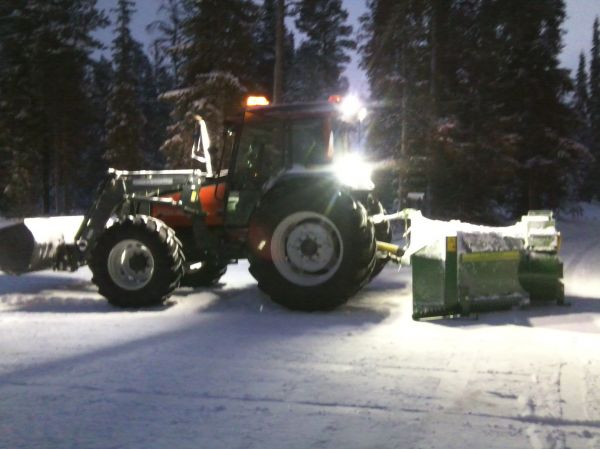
(284, 110)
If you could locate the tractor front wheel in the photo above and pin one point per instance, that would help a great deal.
(137, 262)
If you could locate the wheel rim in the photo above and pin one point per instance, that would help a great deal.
(307, 248)
(130, 264)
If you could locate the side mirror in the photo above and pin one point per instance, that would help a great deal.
(201, 145)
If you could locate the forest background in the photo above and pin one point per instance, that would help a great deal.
(479, 113)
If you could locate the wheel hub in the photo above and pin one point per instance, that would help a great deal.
(307, 248)
(138, 263)
(130, 264)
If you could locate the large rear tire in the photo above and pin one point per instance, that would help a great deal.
(137, 262)
(311, 248)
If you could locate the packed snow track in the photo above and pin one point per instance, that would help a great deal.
(225, 368)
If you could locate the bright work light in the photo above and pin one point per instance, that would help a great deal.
(352, 108)
(256, 101)
(353, 171)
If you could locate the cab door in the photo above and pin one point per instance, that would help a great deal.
(259, 157)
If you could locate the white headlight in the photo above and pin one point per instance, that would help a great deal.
(354, 172)
(352, 108)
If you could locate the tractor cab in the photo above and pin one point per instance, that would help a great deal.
(282, 140)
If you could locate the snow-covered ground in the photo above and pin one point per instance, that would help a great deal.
(226, 368)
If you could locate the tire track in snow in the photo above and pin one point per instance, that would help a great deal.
(591, 397)
(558, 398)
(217, 397)
(548, 401)
(543, 421)
(451, 394)
(543, 400)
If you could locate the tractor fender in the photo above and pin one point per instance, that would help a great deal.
(299, 177)
(319, 183)
(315, 186)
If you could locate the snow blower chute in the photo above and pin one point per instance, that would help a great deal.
(459, 268)
(36, 243)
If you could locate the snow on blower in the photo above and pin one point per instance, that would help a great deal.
(286, 193)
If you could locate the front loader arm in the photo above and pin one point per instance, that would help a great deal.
(126, 192)
(110, 195)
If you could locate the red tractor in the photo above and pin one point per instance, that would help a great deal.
(276, 195)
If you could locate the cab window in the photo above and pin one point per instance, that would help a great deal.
(260, 153)
(310, 140)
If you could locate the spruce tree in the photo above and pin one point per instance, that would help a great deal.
(581, 98)
(582, 133)
(126, 121)
(321, 57)
(398, 67)
(218, 68)
(265, 49)
(93, 167)
(170, 41)
(532, 86)
(266, 46)
(594, 108)
(45, 111)
(154, 111)
(493, 104)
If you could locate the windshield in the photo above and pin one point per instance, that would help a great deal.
(260, 152)
(272, 141)
(310, 141)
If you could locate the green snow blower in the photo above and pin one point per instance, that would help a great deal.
(460, 268)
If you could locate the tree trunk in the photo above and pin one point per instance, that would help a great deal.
(46, 170)
(279, 51)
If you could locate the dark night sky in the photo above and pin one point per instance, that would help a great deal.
(578, 27)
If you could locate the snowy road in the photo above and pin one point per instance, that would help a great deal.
(228, 369)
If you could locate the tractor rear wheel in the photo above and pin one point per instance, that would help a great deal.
(137, 262)
(311, 250)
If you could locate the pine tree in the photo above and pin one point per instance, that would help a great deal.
(516, 125)
(126, 122)
(93, 166)
(581, 98)
(266, 46)
(155, 112)
(468, 137)
(494, 104)
(170, 42)
(45, 111)
(265, 49)
(594, 108)
(219, 38)
(398, 67)
(533, 86)
(582, 133)
(321, 57)
(219, 66)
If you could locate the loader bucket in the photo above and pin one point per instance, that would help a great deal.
(34, 243)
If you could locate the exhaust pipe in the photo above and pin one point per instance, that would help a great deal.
(35, 243)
